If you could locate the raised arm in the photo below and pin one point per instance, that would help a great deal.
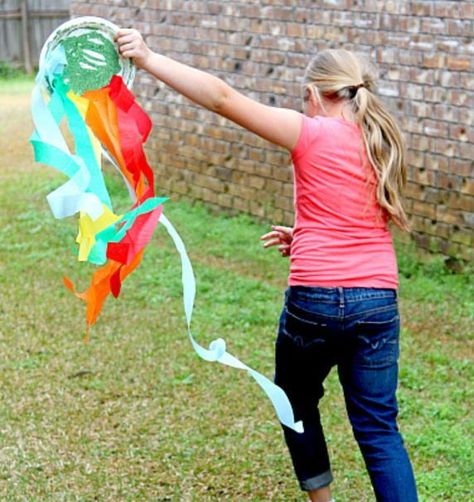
(280, 126)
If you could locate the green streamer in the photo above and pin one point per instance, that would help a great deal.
(92, 60)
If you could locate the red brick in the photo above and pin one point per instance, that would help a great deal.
(240, 204)
(282, 173)
(435, 60)
(468, 186)
(461, 201)
(466, 253)
(458, 63)
(424, 209)
(284, 203)
(295, 30)
(464, 237)
(425, 177)
(418, 8)
(224, 200)
(256, 182)
(462, 133)
(416, 158)
(414, 190)
(466, 10)
(462, 167)
(257, 209)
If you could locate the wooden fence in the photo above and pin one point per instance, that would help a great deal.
(24, 27)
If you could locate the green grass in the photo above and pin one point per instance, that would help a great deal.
(14, 80)
(136, 415)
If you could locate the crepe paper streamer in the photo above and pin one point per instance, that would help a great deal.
(217, 348)
(123, 241)
(106, 280)
(51, 148)
(82, 76)
(122, 127)
(103, 235)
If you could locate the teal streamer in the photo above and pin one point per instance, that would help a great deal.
(84, 148)
(50, 147)
(217, 348)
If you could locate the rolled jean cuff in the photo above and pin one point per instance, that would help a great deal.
(316, 482)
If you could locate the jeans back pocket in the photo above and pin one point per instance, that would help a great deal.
(304, 329)
(377, 337)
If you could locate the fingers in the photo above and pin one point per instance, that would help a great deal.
(272, 242)
(269, 235)
(130, 44)
(280, 236)
(123, 48)
(284, 250)
(129, 41)
(124, 39)
(128, 53)
(285, 230)
(126, 32)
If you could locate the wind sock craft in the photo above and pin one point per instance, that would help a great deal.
(84, 80)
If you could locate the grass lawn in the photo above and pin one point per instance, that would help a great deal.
(136, 415)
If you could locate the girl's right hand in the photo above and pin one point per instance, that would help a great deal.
(131, 45)
(279, 236)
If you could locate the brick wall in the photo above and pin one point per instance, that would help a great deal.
(424, 51)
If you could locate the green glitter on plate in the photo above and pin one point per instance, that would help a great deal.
(92, 60)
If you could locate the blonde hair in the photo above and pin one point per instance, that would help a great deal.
(337, 74)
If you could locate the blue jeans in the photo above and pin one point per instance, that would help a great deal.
(357, 330)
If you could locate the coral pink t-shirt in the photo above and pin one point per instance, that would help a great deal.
(341, 237)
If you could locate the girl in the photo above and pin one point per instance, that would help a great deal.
(341, 306)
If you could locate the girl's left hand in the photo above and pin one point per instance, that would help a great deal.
(131, 45)
(281, 237)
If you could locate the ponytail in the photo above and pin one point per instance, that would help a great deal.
(386, 152)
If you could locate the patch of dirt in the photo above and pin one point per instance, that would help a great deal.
(16, 128)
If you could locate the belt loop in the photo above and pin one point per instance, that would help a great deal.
(341, 296)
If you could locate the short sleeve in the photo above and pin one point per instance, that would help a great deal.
(309, 132)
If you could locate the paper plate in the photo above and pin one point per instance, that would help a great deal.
(88, 58)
